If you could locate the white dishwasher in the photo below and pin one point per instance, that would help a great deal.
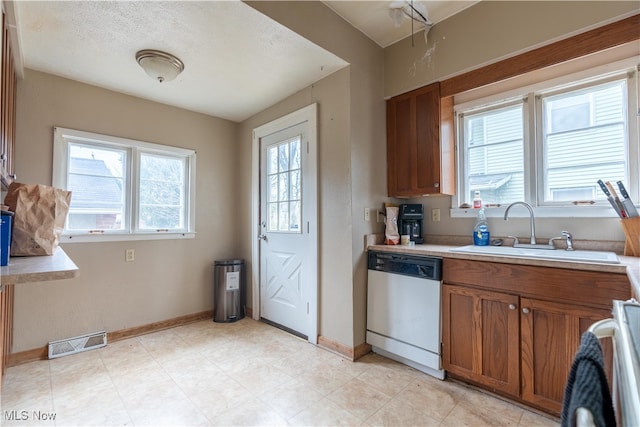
(403, 309)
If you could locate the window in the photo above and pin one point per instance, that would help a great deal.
(549, 145)
(584, 139)
(124, 189)
(494, 141)
(284, 186)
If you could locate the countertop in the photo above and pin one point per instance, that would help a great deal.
(38, 269)
(628, 265)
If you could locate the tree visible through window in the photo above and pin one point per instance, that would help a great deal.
(162, 185)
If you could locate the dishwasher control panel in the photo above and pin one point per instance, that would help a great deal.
(425, 267)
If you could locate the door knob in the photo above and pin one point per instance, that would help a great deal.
(525, 310)
(262, 237)
(512, 306)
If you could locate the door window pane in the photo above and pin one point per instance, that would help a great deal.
(284, 187)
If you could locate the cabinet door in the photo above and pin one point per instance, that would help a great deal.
(550, 336)
(7, 106)
(413, 143)
(428, 165)
(481, 337)
(401, 147)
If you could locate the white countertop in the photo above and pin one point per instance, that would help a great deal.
(38, 269)
(628, 265)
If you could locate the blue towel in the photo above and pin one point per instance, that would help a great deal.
(587, 386)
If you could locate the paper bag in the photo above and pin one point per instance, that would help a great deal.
(391, 234)
(40, 213)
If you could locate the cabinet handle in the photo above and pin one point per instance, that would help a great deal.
(512, 306)
(436, 185)
(525, 310)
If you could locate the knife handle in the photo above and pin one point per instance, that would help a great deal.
(623, 190)
(604, 188)
(612, 190)
(623, 212)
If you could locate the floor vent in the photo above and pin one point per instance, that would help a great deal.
(76, 345)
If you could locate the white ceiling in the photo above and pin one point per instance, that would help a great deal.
(237, 61)
(374, 20)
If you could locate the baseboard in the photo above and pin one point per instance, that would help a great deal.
(15, 359)
(158, 326)
(347, 352)
(19, 358)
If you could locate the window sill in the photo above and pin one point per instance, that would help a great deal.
(94, 238)
(539, 212)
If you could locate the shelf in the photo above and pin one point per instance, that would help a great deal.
(38, 269)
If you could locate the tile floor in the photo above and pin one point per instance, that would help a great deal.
(241, 374)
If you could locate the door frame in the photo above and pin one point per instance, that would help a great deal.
(307, 114)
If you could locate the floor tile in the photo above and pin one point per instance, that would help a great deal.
(237, 374)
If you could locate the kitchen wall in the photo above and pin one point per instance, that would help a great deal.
(485, 33)
(173, 278)
(490, 31)
(352, 160)
(169, 278)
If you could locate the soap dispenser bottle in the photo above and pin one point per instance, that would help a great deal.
(481, 230)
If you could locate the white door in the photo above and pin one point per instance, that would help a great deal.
(288, 265)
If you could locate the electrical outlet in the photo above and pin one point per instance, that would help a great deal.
(367, 214)
(435, 215)
(130, 255)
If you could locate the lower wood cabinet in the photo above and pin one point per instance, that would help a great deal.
(481, 337)
(515, 329)
(550, 336)
(6, 327)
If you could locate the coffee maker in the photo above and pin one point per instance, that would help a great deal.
(410, 221)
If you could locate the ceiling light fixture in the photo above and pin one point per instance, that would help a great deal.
(159, 65)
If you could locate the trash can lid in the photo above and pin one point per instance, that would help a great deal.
(7, 213)
(229, 262)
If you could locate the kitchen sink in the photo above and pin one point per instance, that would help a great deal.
(559, 254)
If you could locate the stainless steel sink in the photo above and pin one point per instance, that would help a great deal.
(558, 254)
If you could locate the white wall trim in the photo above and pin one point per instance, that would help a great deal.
(306, 114)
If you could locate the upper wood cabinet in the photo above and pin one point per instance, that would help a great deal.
(420, 144)
(8, 110)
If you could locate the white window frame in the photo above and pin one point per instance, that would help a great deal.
(531, 85)
(63, 137)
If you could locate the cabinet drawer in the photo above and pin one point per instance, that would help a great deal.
(554, 284)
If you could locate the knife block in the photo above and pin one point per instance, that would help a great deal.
(631, 227)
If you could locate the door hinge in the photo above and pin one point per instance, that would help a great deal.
(307, 308)
(307, 227)
(307, 147)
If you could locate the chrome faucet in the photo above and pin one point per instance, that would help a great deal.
(569, 239)
(532, 223)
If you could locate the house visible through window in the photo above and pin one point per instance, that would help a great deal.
(123, 187)
(548, 147)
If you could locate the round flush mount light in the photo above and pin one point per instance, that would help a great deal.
(161, 66)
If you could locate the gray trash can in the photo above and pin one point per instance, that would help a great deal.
(229, 280)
